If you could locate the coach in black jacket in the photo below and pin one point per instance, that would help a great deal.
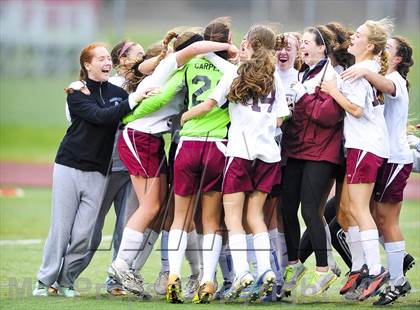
(80, 170)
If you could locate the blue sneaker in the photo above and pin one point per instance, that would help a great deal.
(276, 294)
(263, 285)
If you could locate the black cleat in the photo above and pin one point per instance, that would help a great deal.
(408, 263)
(392, 293)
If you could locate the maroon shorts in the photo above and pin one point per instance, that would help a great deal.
(198, 167)
(145, 157)
(242, 175)
(362, 166)
(391, 181)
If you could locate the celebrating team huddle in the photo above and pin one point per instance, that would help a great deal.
(255, 133)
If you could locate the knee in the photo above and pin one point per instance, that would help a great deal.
(309, 215)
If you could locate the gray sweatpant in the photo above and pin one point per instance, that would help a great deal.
(76, 200)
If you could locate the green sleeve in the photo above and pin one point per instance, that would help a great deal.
(156, 102)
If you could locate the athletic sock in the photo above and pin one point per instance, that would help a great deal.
(212, 245)
(274, 262)
(238, 250)
(177, 242)
(262, 251)
(131, 242)
(225, 263)
(149, 241)
(356, 248)
(251, 257)
(395, 258)
(164, 260)
(330, 255)
(369, 240)
(192, 254)
(200, 253)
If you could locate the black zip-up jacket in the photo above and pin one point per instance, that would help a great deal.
(89, 140)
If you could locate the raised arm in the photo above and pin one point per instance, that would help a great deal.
(156, 102)
(378, 81)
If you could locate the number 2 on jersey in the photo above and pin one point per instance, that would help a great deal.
(202, 89)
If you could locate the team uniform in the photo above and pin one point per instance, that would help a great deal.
(393, 176)
(365, 155)
(252, 164)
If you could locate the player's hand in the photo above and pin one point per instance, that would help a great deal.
(329, 86)
(353, 74)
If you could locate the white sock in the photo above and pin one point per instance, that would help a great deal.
(395, 257)
(356, 249)
(282, 255)
(262, 251)
(200, 246)
(370, 244)
(274, 262)
(177, 242)
(225, 263)
(330, 255)
(212, 245)
(251, 257)
(131, 242)
(148, 243)
(192, 254)
(164, 260)
(238, 250)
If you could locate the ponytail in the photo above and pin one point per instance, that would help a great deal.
(405, 51)
(166, 40)
(384, 63)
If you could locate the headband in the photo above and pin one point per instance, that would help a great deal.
(322, 38)
(125, 47)
(195, 38)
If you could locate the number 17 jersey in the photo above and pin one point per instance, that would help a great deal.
(201, 77)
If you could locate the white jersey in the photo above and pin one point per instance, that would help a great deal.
(369, 132)
(159, 121)
(396, 114)
(287, 77)
(117, 80)
(253, 126)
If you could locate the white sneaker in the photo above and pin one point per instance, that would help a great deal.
(263, 285)
(68, 292)
(127, 278)
(40, 289)
(317, 282)
(161, 283)
(293, 275)
(192, 286)
(240, 283)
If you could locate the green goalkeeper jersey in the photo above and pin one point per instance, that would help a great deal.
(200, 77)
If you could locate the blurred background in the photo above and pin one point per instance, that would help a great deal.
(40, 41)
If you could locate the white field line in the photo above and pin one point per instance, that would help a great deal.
(36, 241)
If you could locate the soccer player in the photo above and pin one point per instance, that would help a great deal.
(365, 155)
(392, 176)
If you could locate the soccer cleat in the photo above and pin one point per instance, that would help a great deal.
(174, 290)
(222, 290)
(127, 278)
(408, 262)
(114, 288)
(263, 285)
(239, 284)
(192, 286)
(392, 293)
(205, 293)
(372, 284)
(318, 283)
(161, 283)
(293, 275)
(68, 292)
(354, 279)
(40, 289)
(276, 294)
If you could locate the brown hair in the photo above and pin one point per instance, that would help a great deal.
(342, 38)
(282, 41)
(218, 30)
(115, 53)
(134, 79)
(256, 76)
(180, 36)
(323, 36)
(405, 51)
(86, 55)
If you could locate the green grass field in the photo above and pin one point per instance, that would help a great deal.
(29, 218)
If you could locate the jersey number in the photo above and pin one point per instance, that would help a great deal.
(265, 100)
(202, 89)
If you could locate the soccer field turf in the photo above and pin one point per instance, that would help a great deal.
(26, 221)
